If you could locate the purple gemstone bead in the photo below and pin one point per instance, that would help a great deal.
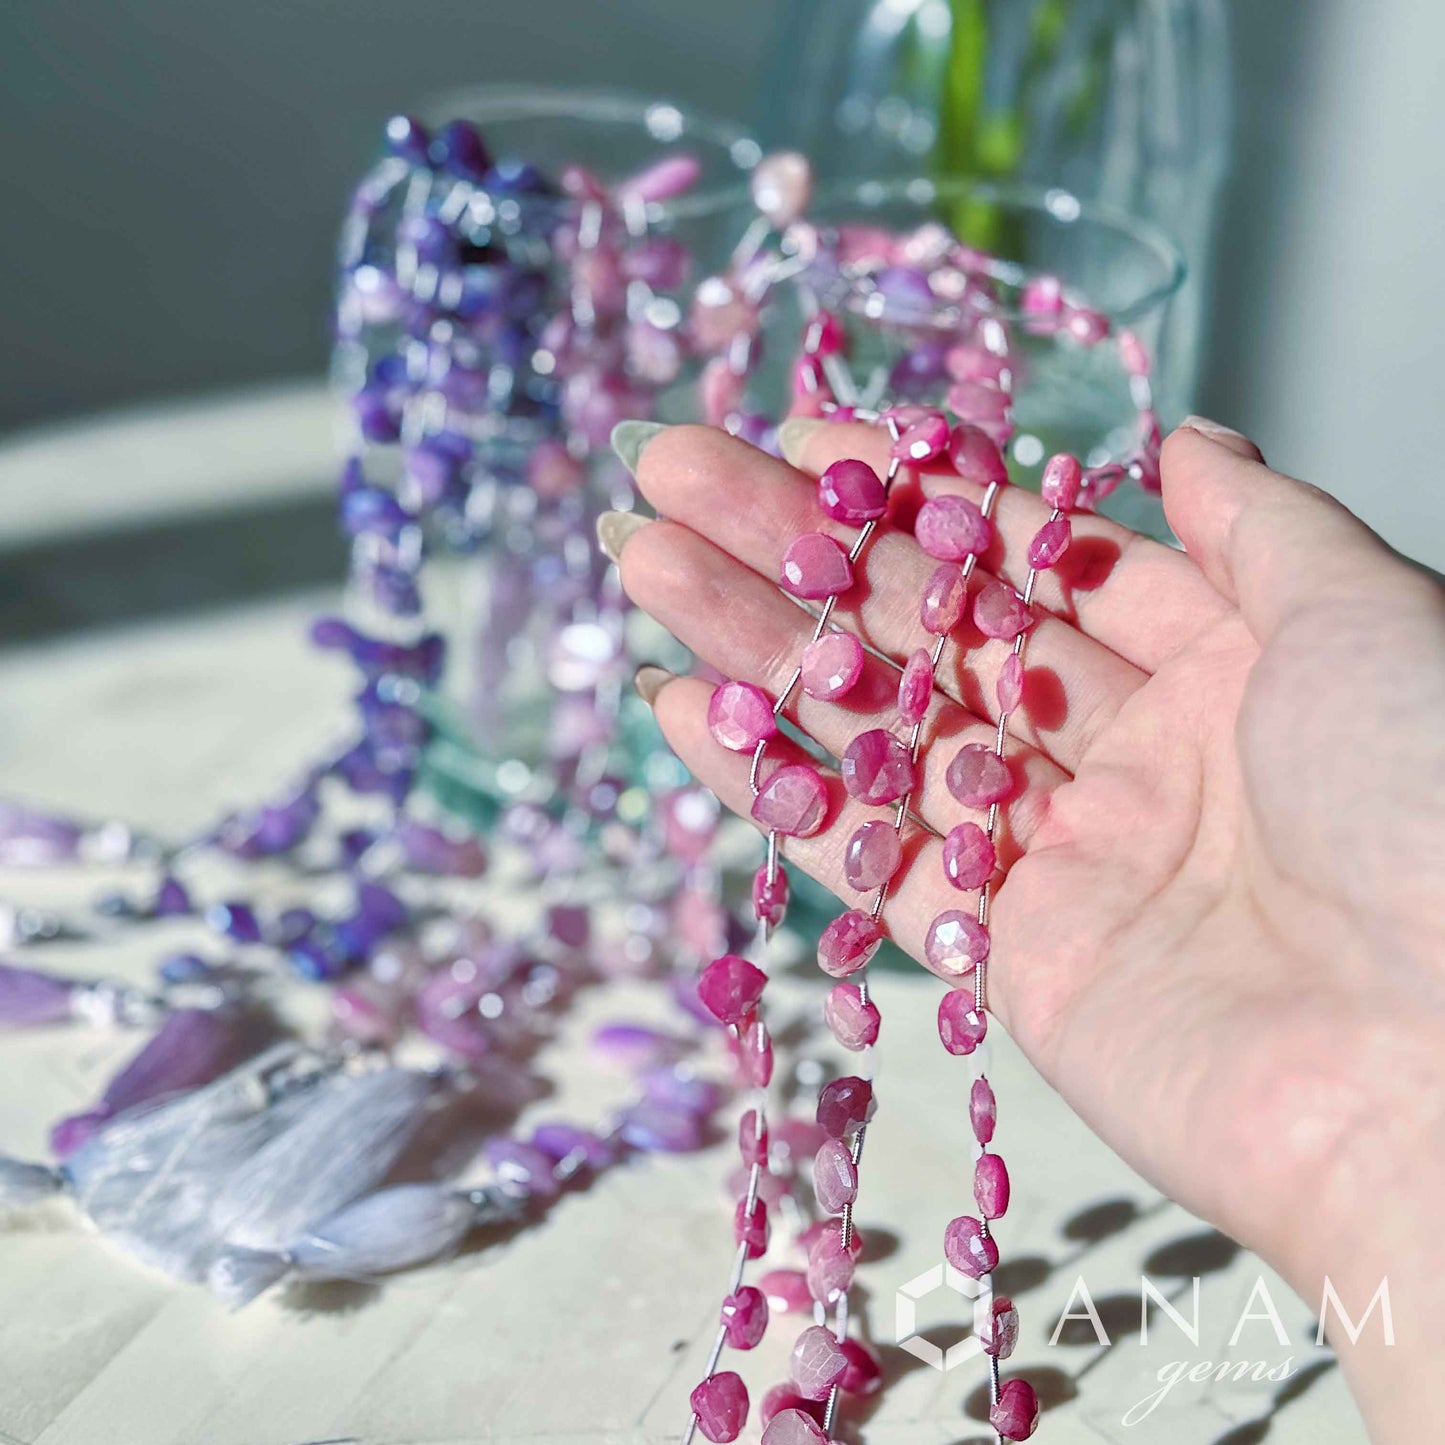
(28, 996)
(522, 1164)
(657, 1130)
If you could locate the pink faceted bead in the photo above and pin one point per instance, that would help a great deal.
(998, 611)
(851, 491)
(832, 665)
(1016, 1416)
(755, 1054)
(978, 402)
(770, 897)
(786, 1291)
(815, 567)
(956, 943)
(951, 528)
(990, 1186)
(864, 1375)
(968, 856)
(1000, 1332)
(791, 1426)
(978, 777)
(976, 457)
(740, 716)
(1061, 480)
(821, 1227)
(1086, 327)
(751, 1229)
(968, 1249)
(915, 687)
(843, 1104)
(945, 595)
(1042, 298)
(835, 1177)
(830, 1265)
(1133, 355)
(853, 1022)
(1010, 685)
(793, 801)
(1050, 543)
(982, 1110)
(922, 440)
(752, 1141)
(876, 767)
(872, 856)
(847, 943)
(721, 1406)
(961, 1026)
(816, 1364)
(745, 1317)
(729, 987)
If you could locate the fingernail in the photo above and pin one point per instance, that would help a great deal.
(1209, 428)
(629, 437)
(793, 436)
(650, 680)
(613, 530)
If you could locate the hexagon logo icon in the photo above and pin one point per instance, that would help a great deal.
(905, 1315)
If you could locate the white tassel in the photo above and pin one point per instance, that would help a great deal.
(22, 1184)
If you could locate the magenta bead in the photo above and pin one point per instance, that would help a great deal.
(998, 611)
(864, 1373)
(787, 1291)
(792, 1426)
(816, 1363)
(1050, 543)
(956, 943)
(793, 801)
(770, 897)
(730, 987)
(740, 716)
(990, 1186)
(976, 457)
(663, 179)
(721, 1406)
(832, 665)
(982, 1110)
(872, 856)
(744, 1316)
(755, 1054)
(1009, 688)
(876, 768)
(922, 440)
(752, 1140)
(852, 1021)
(1000, 1332)
(843, 1104)
(851, 491)
(830, 1265)
(968, 1249)
(915, 687)
(1016, 1416)
(968, 856)
(847, 943)
(961, 1026)
(751, 1229)
(835, 1177)
(1062, 478)
(951, 528)
(816, 567)
(945, 595)
(978, 777)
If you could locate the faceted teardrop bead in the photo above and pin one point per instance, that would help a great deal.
(740, 716)
(835, 1176)
(793, 1427)
(816, 1363)
(961, 1026)
(968, 856)
(951, 528)
(990, 1186)
(980, 403)
(998, 611)
(976, 457)
(752, 1140)
(843, 1104)
(853, 1022)
(786, 1291)
(1062, 478)
(793, 801)
(744, 1316)
(978, 777)
(1050, 543)
(770, 896)
(729, 987)
(851, 491)
(830, 1265)
(968, 1249)
(945, 595)
(847, 943)
(721, 1406)
(922, 439)
(815, 567)
(872, 855)
(876, 768)
(864, 1375)
(1016, 1416)
(1000, 1331)
(982, 1110)
(915, 687)
(956, 943)
(831, 666)
(751, 1229)
(1010, 685)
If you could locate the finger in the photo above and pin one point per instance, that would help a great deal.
(1137, 597)
(747, 629)
(754, 506)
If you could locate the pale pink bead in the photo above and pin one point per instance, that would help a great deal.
(719, 313)
(1010, 685)
(729, 987)
(815, 1231)
(755, 1054)
(1000, 1332)
(982, 1110)
(979, 403)
(876, 768)
(990, 1186)
(957, 943)
(793, 1427)
(552, 471)
(968, 856)
(976, 457)
(1086, 327)
(786, 1290)
(740, 716)
(968, 1249)
(915, 687)
(945, 595)
(851, 1020)
(951, 528)
(1016, 1416)
(974, 363)
(1133, 354)
(815, 567)
(844, 1104)
(847, 943)
(872, 856)
(1042, 299)
(793, 801)
(851, 491)
(832, 665)
(864, 1374)
(835, 1177)
(1050, 543)
(744, 1316)
(998, 611)
(1059, 485)
(922, 440)
(751, 1229)
(816, 1363)
(721, 1406)
(770, 896)
(752, 1139)
(830, 1265)
(721, 390)
(978, 777)
(663, 179)
(782, 187)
